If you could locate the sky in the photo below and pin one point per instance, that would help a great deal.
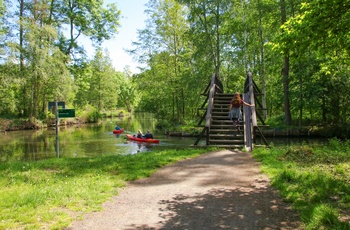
(132, 19)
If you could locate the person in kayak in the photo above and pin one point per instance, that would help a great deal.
(148, 135)
(139, 134)
(117, 127)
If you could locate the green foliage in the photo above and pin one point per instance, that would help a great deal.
(82, 80)
(319, 54)
(128, 94)
(33, 193)
(100, 86)
(188, 128)
(89, 114)
(163, 124)
(183, 43)
(36, 67)
(93, 19)
(169, 88)
(314, 179)
(8, 88)
(277, 122)
(104, 86)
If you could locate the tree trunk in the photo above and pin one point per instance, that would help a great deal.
(288, 116)
(217, 64)
(300, 100)
(262, 61)
(335, 102)
(24, 109)
(285, 71)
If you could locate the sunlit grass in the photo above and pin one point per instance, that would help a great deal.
(51, 193)
(316, 180)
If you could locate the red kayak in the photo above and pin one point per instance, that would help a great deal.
(118, 131)
(131, 137)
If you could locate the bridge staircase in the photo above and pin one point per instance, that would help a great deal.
(218, 130)
(222, 133)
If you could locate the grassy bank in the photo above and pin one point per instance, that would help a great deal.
(51, 193)
(315, 180)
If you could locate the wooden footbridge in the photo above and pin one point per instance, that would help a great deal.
(218, 129)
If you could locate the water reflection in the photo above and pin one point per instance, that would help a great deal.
(85, 140)
(98, 139)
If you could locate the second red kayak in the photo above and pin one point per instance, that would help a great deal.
(118, 131)
(131, 137)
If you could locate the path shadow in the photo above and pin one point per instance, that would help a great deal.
(244, 208)
(208, 170)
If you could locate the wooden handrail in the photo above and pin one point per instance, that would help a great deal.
(215, 86)
(210, 106)
(210, 101)
(249, 112)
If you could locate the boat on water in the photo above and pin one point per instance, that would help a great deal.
(118, 131)
(149, 140)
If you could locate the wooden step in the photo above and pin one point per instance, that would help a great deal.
(221, 106)
(227, 141)
(222, 133)
(222, 100)
(223, 97)
(211, 141)
(219, 111)
(228, 146)
(220, 127)
(225, 122)
(220, 146)
(220, 117)
(228, 136)
(224, 130)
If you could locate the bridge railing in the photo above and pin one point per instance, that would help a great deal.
(249, 113)
(215, 86)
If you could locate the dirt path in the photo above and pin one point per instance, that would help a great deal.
(218, 190)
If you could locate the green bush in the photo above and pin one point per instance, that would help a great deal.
(89, 114)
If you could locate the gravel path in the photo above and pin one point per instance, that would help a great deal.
(218, 190)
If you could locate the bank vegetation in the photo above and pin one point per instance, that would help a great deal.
(298, 53)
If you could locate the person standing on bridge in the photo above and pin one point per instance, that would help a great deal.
(235, 108)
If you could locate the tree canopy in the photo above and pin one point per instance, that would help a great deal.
(297, 51)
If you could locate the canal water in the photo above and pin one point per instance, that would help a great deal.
(87, 140)
(90, 140)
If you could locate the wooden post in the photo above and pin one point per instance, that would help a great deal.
(248, 125)
(249, 113)
(56, 123)
(210, 106)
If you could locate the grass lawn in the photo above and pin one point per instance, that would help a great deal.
(51, 193)
(315, 180)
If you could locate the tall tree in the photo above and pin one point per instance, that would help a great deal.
(104, 90)
(89, 18)
(318, 34)
(45, 62)
(285, 70)
(24, 106)
(128, 96)
(206, 19)
(164, 43)
(38, 38)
